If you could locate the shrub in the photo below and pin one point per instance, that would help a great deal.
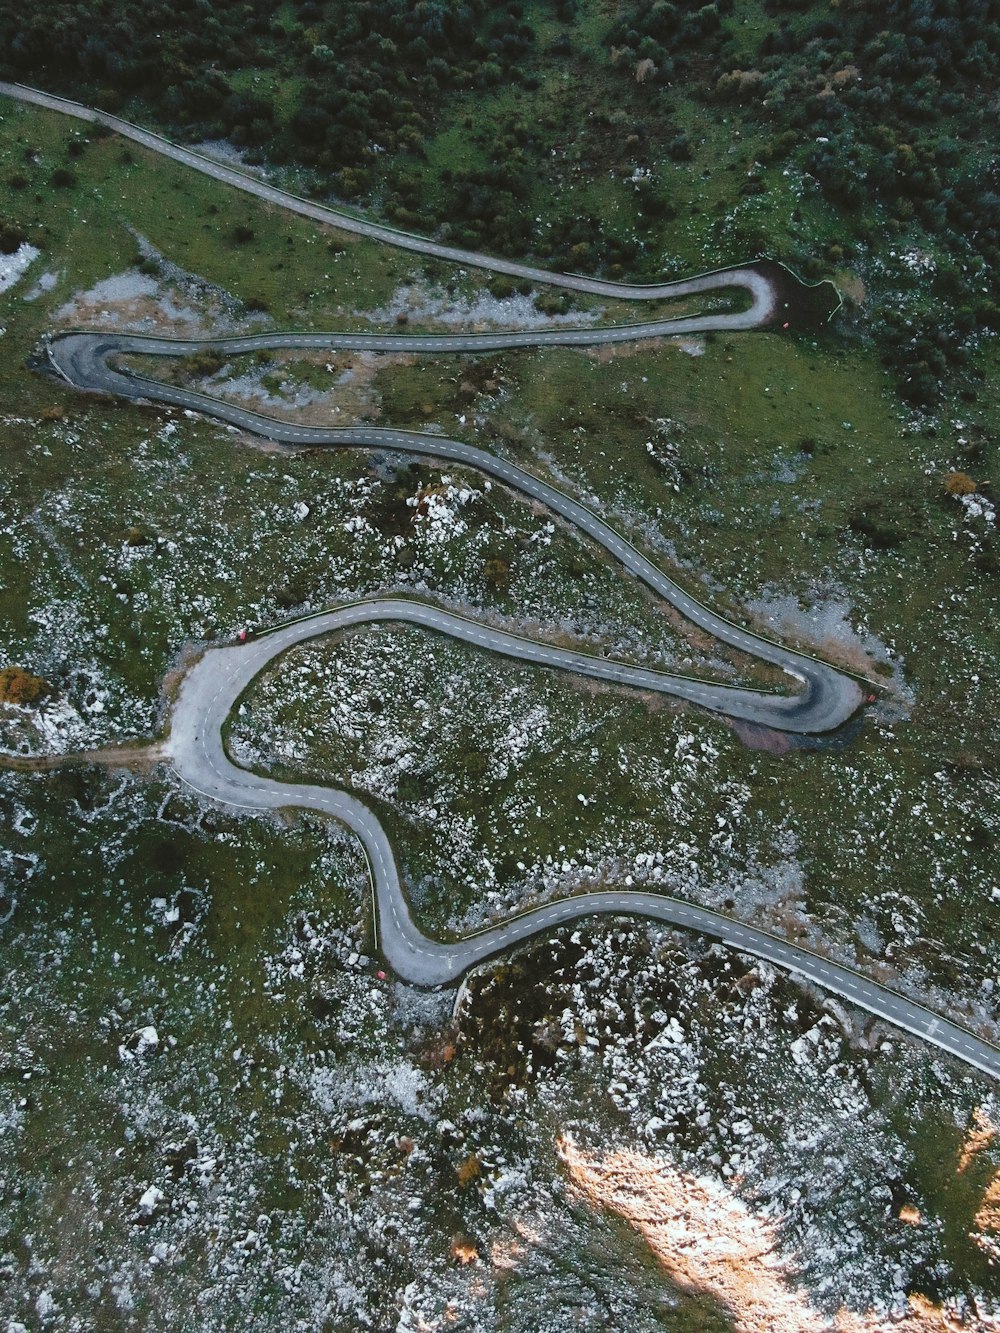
(464, 1250)
(497, 574)
(959, 483)
(739, 84)
(468, 1170)
(552, 303)
(679, 148)
(204, 363)
(11, 238)
(500, 286)
(18, 686)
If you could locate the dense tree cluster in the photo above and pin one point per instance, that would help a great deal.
(879, 94)
(146, 48)
(870, 99)
(885, 109)
(362, 72)
(670, 36)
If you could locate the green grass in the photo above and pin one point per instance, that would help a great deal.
(950, 1186)
(305, 274)
(748, 410)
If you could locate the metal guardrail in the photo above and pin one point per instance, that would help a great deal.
(355, 222)
(476, 260)
(510, 634)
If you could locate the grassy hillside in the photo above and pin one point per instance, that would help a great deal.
(297, 1112)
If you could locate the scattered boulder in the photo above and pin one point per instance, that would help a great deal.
(150, 1204)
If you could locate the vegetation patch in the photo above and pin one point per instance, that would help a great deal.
(18, 686)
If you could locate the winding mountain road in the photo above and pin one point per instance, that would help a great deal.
(349, 222)
(828, 698)
(212, 687)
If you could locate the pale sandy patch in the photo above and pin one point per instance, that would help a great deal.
(712, 1244)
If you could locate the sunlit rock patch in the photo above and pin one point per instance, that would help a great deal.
(711, 1243)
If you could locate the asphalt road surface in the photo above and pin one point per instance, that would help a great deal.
(212, 687)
